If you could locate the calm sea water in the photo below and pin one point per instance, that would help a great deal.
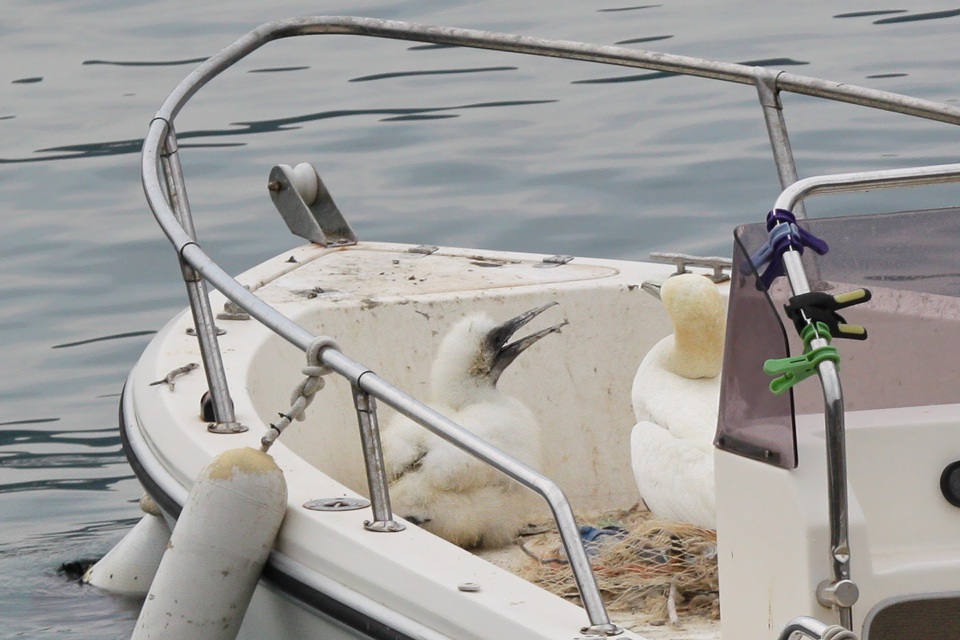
(496, 151)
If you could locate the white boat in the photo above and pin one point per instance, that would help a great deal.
(837, 511)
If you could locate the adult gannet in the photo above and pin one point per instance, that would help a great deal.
(441, 488)
(676, 396)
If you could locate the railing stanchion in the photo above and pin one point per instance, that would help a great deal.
(769, 95)
(203, 318)
(366, 407)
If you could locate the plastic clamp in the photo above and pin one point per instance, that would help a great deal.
(785, 234)
(818, 306)
(790, 371)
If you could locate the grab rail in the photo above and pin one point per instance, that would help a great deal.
(167, 200)
(842, 592)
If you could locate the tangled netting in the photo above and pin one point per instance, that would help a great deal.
(658, 568)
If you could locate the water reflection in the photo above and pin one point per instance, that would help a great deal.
(419, 117)
(30, 421)
(82, 531)
(27, 460)
(918, 17)
(115, 336)
(657, 75)
(66, 484)
(280, 124)
(431, 72)
(87, 449)
(73, 436)
(869, 14)
(636, 8)
(639, 40)
(277, 69)
(425, 47)
(123, 147)
(138, 63)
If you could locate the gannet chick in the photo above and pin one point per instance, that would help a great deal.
(438, 486)
(676, 397)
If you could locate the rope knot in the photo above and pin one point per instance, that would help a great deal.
(305, 391)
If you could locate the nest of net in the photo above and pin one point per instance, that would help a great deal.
(656, 568)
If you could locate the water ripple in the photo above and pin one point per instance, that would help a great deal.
(636, 8)
(28, 460)
(420, 117)
(144, 63)
(116, 336)
(133, 146)
(266, 126)
(657, 75)
(277, 69)
(434, 72)
(639, 40)
(29, 421)
(69, 484)
(82, 531)
(868, 14)
(918, 17)
(425, 47)
(72, 437)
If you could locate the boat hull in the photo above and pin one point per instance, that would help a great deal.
(371, 298)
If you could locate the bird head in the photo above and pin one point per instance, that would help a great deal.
(698, 314)
(477, 350)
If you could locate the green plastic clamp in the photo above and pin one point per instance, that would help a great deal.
(796, 369)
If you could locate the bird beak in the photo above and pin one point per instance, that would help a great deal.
(653, 288)
(507, 353)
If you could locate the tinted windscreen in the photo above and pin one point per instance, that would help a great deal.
(911, 264)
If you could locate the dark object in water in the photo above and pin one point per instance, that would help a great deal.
(76, 569)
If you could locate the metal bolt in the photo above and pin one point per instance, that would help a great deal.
(274, 185)
(337, 504)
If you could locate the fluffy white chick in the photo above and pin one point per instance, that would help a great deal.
(443, 489)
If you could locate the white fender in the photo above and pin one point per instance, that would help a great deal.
(129, 568)
(217, 551)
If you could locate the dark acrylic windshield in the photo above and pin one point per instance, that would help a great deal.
(911, 264)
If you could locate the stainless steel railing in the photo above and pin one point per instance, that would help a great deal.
(842, 592)
(167, 199)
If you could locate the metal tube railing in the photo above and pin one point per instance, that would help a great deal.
(866, 180)
(814, 629)
(841, 592)
(773, 117)
(177, 225)
(377, 482)
(837, 501)
(203, 319)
